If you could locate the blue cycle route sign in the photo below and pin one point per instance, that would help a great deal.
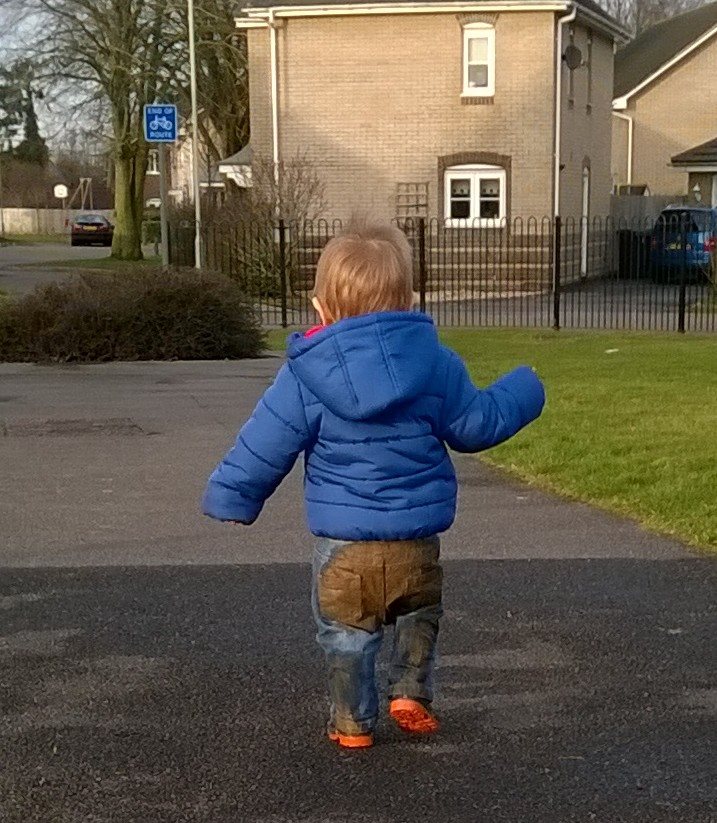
(160, 123)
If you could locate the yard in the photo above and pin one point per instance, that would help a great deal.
(109, 264)
(630, 425)
(31, 239)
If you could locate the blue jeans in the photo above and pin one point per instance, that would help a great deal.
(358, 589)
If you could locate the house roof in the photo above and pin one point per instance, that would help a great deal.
(660, 44)
(703, 155)
(242, 158)
(588, 5)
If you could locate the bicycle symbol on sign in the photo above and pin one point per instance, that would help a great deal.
(160, 124)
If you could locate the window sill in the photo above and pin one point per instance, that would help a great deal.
(477, 99)
(477, 223)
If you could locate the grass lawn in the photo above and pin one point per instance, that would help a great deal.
(105, 263)
(630, 425)
(33, 239)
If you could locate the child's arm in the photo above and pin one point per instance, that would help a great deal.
(266, 448)
(476, 419)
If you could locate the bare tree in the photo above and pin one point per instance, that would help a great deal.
(639, 15)
(246, 236)
(294, 191)
(116, 56)
(116, 52)
(26, 185)
(222, 80)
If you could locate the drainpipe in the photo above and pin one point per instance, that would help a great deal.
(275, 105)
(630, 132)
(568, 18)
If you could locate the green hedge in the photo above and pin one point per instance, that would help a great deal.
(142, 314)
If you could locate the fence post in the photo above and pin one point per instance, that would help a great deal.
(282, 273)
(682, 303)
(557, 240)
(422, 262)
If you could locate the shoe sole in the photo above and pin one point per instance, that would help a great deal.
(410, 716)
(352, 741)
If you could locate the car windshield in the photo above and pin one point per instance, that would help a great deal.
(683, 220)
(90, 220)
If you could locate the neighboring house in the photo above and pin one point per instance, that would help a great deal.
(237, 168)
(437, 109)
(700, 163)
(179, 172)
(664, 104)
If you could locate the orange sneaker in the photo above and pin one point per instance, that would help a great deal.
(412, 716)
(351, 741)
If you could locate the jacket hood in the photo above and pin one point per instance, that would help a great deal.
(362, 366)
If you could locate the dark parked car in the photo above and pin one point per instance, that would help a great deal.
(684, 238)
(90, 230)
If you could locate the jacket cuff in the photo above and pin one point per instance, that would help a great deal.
(226, 504)
(525, 386)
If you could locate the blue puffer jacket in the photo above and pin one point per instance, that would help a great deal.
(372, 401)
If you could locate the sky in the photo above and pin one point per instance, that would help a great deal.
(57, 114)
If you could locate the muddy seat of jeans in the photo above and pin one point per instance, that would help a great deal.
(370, 584)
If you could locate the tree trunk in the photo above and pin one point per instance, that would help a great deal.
(127, 240)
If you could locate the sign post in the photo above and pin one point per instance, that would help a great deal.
(2, 203)
(163, 221)
(160, 126)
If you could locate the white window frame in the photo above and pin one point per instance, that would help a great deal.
(153, 162)
(486, 31)
(476, 173)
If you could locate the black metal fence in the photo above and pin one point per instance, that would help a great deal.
(602, 274)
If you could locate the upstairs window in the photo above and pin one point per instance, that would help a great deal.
(153, 161)
(475, 195)
(478, 60)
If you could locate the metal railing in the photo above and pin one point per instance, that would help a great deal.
(538, 272)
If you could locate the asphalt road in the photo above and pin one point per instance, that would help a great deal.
(155, 666)
(24, 267)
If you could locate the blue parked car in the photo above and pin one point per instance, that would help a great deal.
(683, 238)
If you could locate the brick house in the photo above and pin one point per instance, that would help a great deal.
(665, 131)
(441, 109)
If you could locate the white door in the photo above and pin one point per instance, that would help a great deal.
(585, 223)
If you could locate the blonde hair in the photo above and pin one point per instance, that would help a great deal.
(367, 268)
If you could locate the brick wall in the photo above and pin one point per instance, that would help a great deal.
(259, 90)
(587, 127)
(375, 101)
(671, 115)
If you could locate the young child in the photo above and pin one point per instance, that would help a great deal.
(373, 400)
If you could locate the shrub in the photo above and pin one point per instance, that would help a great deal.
(136, 314)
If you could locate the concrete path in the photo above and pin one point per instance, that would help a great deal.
(24, 267)
(155, 666)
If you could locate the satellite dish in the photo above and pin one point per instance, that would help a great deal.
(573, 57)
(60, 191)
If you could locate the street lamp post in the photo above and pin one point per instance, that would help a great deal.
(195, 138)
(2, 193)
(2, 201)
